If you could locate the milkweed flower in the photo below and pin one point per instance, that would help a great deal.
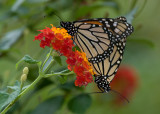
(125, 82)
(61, 41)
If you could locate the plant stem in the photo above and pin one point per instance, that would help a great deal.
(23, 93)
(21, 86)
(59, 73)
(48, 55)
(48, 65)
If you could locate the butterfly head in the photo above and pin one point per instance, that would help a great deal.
(65, 24)
(69, 27)
(102, 83)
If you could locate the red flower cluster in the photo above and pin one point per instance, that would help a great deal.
(125, 82)
(80, 65)
(60, 40)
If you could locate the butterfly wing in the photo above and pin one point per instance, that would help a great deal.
(106, 69)
(109, 66)
(92, 38)
(96, 37)
(103, 41)
(119, 27)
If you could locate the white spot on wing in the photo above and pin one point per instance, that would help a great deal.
(115, 24)
(107, 25)
(116, 30)
(93, 25)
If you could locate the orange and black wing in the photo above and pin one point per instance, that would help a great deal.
(92, 38)
(110, 65)
(103, 41)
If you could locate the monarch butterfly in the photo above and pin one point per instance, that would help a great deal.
(103, 40)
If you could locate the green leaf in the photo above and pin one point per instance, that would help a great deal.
(49, 106)
(68, 86)
(27, 59)
(37, 1)
(16, 91)
(17, 5)
(64, 4)
(10, 97)
(58, 60)
(44, 93)
(134, 3)
(10, 38)
(16, 86)
(39, 64)
(142, 41)
(90, 8)
(62, 79)
(3, 98)
(80, 103)
(130, 15)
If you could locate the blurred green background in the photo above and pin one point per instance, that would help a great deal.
(19, 22)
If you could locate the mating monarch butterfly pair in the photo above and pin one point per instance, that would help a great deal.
(103, 40)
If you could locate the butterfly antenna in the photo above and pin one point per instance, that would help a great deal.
(95, 92)
(123, 97)
(54, 13)
(57, 16)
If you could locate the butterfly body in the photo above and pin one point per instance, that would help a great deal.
(103, 40)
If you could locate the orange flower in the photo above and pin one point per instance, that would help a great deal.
(61, 31)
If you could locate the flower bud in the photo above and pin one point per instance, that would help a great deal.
(25, 70)
(23, 77)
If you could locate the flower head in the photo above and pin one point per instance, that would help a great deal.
(60, 40)
(80, 65)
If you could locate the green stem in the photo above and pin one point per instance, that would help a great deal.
(21, 86)
(48, 55)
(59, 73)
(23, 93)
(46, 69)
